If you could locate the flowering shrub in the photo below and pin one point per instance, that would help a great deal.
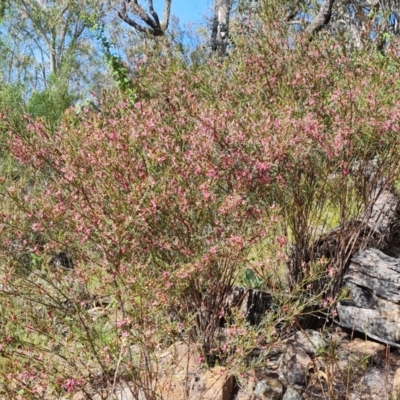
(164, 202)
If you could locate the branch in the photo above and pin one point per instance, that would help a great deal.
(293, 11)
(292, 14)
(153, 13)
(154, 24)
(143, 16)
(64, 31)
(124, 16)
(167, 13)
(35, 23)
(323, 17)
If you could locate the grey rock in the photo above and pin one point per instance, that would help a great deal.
(269, 388)
(292, 394)
(294, 365)
(375, 383)
(372, 307)
(311, 341)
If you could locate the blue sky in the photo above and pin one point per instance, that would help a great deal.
(187, 10)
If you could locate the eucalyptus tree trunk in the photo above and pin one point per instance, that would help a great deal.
(220, 27)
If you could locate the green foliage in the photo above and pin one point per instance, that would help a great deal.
(251, 280)
(51, 103)
(118, 68)
(12, 104)
(3, 8)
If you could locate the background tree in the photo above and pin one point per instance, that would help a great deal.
(46, 38)
(358, 21)
(50, 54)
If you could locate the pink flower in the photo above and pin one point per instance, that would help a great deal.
(213, 250)
(72, 384)
(281, 241)
(237, 241)
(328, 301)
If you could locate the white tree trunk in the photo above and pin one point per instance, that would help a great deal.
(220, 29)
